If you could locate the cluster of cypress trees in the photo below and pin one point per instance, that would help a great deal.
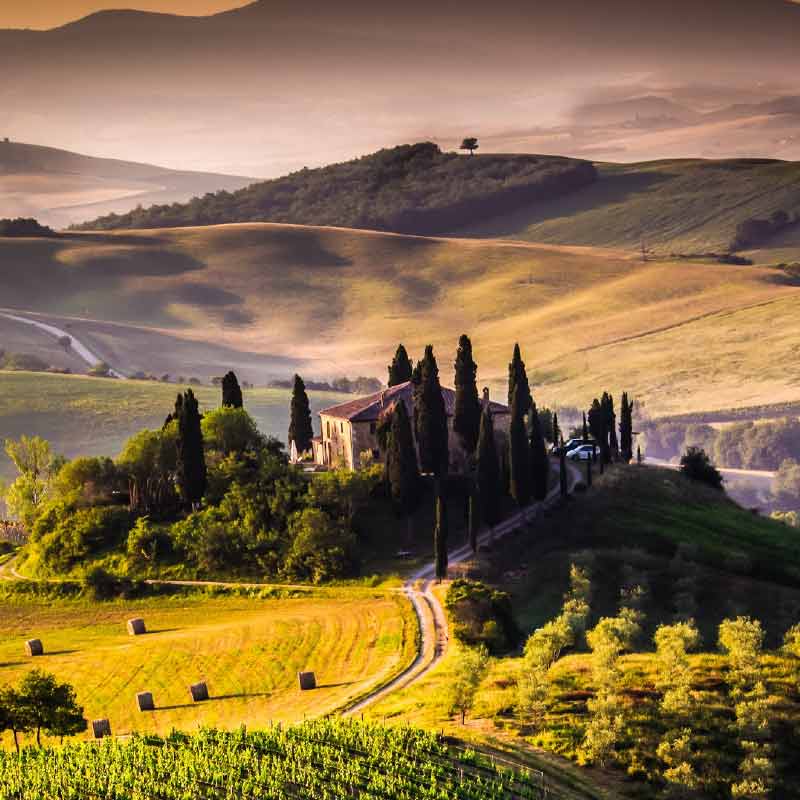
(603, 428)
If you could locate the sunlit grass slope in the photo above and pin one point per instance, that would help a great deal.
(675, 206)
(682, 335)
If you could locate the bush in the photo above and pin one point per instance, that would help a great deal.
(65, 535)
(481, 615)
(696, 466)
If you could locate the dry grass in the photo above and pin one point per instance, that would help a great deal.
(248, 651)
(585, 317)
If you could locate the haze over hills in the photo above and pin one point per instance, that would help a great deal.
(274, 86)
(682, 335)
(60, 188)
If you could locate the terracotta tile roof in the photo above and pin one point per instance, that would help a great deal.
(369, 408)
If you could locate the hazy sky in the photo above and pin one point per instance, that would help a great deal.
(50, 13)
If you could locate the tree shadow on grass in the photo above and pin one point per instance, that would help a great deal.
(60, 652)
(241, 695)
(334, 685)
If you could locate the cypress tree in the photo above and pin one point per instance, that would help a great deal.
(556, 430)
(440, 534)
(540, 464)
(400, 368)
(472, 519)
(301, 431)
(231, 391)
(401, 463)
(518, 376)
(626, 428)
(611, 427)
(598, 425)
(638, 454)
(585, 429)
(431, 418)
(589, 473)
(519, 451)
(191, 462)
(562, 474)
(488, 471)
(467, 414)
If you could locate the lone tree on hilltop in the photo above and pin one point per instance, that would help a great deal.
(467, 414)
(231, 391)
(626, 428)
(191, 464)
(301, 431)
(470, 143)
(400, 369)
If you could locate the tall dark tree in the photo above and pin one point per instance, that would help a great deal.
(626, 428)
(585, 432)
(467, 414)
(556, 430)
(540, 464)
(611, 425)
(519, 451)
(440, 535)
(400, 369)
(191, 463)
(231, 391)
(301, 431)
(431, 418)
(517, 376)
(562, 474)
(402, 471)
(469, 143)
(598, 425)
(488, 471)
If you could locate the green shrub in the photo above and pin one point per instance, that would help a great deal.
(481, 615)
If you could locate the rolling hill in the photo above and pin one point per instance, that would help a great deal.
(414, 189)
(682, 335)
(61, 188)
(688, 206)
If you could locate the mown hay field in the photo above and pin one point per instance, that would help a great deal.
(247, 649)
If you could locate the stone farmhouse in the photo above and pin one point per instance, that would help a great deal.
(350, 429)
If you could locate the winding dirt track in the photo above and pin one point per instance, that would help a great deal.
(431, 617)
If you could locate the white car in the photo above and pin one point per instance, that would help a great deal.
(583, 452)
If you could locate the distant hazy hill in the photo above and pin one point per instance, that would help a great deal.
(276, 85)
(59, 188)
(409, 189)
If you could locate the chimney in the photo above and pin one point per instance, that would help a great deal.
(485, 401)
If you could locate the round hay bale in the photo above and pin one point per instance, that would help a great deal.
(307, 681)
(34, 647)
(136, 627)
(101, 728)
(199, 692)
(145, 701)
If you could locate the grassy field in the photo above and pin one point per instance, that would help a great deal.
(93, 416)
(674, 206)
(249, 650)
(684, 336)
